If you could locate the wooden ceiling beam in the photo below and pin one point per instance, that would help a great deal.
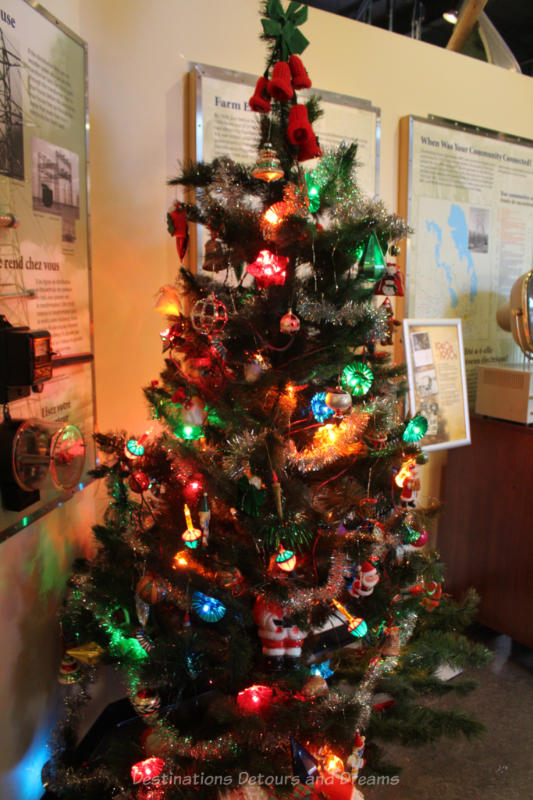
(468, 17)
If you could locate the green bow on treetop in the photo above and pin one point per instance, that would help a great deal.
(282, 26)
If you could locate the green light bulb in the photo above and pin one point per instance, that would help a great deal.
(357, 378)
(416, 429)
(313, 193)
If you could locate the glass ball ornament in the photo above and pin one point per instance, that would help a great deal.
(209, 315)
(152, 589)
(338, 400)
(139, 481)
(422, 539)
(147, 704)
(289, 323)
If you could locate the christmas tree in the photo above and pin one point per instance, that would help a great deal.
(263, 582)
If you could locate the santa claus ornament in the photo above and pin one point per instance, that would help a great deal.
(410, 484)
(365, 581)
(391, 283)
(280, 639)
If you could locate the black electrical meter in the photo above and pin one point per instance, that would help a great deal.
(25, 361)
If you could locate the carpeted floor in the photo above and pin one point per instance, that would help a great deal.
(498, 766)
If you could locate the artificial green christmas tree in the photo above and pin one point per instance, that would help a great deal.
(270, 518)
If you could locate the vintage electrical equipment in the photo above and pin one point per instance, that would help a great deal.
(505, 392)
(25, 361)
(30, 451)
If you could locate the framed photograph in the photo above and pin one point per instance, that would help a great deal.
(437, 380)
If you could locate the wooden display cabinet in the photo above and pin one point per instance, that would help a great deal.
(486, 526)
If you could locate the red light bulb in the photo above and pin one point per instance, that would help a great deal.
(147, 769)
(254, 699)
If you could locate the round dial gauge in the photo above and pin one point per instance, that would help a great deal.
(31, 454)
(67, 456)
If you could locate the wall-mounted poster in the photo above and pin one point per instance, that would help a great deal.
(437, 380)
(468, 195)
(223, 124)
(44, 256)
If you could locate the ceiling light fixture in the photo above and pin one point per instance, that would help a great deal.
(451, 17)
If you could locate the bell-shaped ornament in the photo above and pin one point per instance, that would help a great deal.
(268, 167)
(215, 256)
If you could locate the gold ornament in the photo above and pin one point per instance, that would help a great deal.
(90, 653)
(268, 166)
(315, 686)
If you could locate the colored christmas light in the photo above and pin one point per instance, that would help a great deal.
(356, 625)
(323, 669)
(180, 559)
(313, 192)
(147, 770)
(321, 411)
(134, 449)
(416, 429)
(332, 763)
(358, 630)
(357, 378)
(189, 432)
(275, 214)
(192, 536)
(254, 699)
(209, 609)
(268, 269)
(285, 559)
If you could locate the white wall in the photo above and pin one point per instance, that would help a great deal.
(138, 56)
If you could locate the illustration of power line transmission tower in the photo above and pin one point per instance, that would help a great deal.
(11, 167)
(11, 134)
(55, 179)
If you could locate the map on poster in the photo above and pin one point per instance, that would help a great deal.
(470, 202)
(44, 262)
